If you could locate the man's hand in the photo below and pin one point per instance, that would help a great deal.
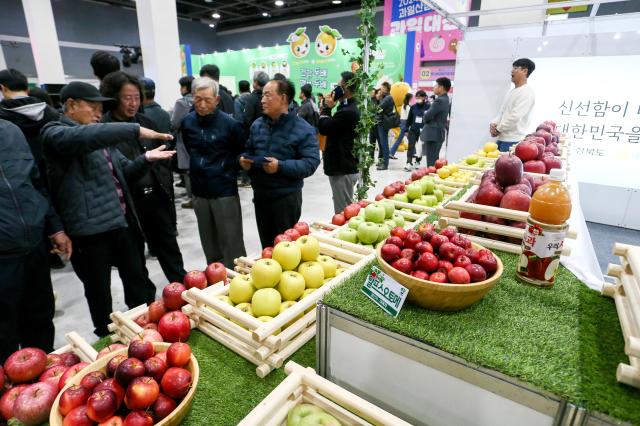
(61, 245)
(152, 134)
(158, 154)
(329, 102)
(245, 163)
(493, 129)
(272, 166)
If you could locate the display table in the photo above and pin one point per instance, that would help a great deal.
(522, 355)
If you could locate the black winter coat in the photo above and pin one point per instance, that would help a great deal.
(340, 131)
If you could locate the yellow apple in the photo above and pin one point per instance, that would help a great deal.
(490, 147)
(241, 289)
(267, 318)
(340, 270)
(329, 265)
(266, 273)
(287, 254)
(453, 168)
(291, 285)
(266, 301)
(309, 247)
(313, 274)
(286, 305)
(443, 173)
(493, 154)
(246, 308)
(305, 294)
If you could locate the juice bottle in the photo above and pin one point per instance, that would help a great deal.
(544, 235)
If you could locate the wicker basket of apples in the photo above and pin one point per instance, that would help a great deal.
(144, 384)
(443, 271)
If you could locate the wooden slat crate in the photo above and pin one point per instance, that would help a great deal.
(626, 293)
(303, 385)
(450, 216)
(78, 346)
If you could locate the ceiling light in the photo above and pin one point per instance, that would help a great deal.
(215, 15)
(617, 36)
(336, 1)
(212, 25)
(278, 3)
(265, 14)
(208, 1)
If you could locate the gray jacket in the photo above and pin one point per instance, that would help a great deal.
(435, 120)
(180, 111)
(82, 185)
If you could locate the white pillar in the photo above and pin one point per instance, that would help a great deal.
(510, 18)
(158, 26)
(3, 62)
(44, 41)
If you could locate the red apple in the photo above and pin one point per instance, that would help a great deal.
(142, 320)
(174, 327)
(155, 367)
(138, 418)
(112, 385)
(33, 404)
(52, 361)
(195, 279)
(472, 254)
(172, 296)
(399, 232)
(292, 233)
(53, 374)
(535, 166)
(215, 273)
(156, 310)
(178, 354)
(421, 275)
(363, 203)
(390, 252)
(71, 371)
(78, 417)
(427, 262)
(398, 185)
(516, 200)
(128, 370)
(526, 150)
(423, 247)
(102, 405)
(8, 400)
(110, 349)
(302, 228)
(395, 241)
(431, 169)
(516, 224)
(141, 349)
(441, 162)
(74, 396)
(380, 197)
(425, 228)
(439, 277)
(338, 219)
(113, 364)
(162, 356)
(461, 241)
(267, 252)
(412, 239)
(476, 272)
(449, 232)
(280, 238)
(462, 261)
(351, 210)
(551, 162)
(163, 407)
(112, 421)
(149, 335)
(92, 379)
(444, 266)
(389, 191)
(437, 240)
(489, 195)
(449, 251)
(403, 265)
(522, 187)
(141, 393)
(488, 262)
(25, 365)
(459, 275)
(408, 253)
(176, 382)
(494, 219)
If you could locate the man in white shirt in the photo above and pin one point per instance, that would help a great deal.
(511, 124)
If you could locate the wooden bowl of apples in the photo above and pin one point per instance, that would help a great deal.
(162, 395)
(454, 290)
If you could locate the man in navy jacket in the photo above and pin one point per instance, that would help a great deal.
(284, 150)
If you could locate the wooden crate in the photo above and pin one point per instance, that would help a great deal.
(626, 293)
(124, 327)
(259, 342)
(78, 346)
(450, 216)
(303, 385)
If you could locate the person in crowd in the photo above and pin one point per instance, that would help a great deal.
(27, 220)
(293, 105)
(512, 122)
(152, 193)
(89, 180)
(240, 101)
(30, 114)
(161, 118)
(340, 164)
(387, 109)
(181, 108)
(226, 101)
(215, 141)
(43, 95)
(435, 121)
(414, 127)
(307, 110)
(253, 105)
(373, 132)
(104, 63)
(286, 148)
(320, 101)
(404, 114)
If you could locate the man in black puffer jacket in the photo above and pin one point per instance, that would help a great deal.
(152, 193)
(89, 181)
(26, 219)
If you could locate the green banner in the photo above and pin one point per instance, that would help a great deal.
(318, 63)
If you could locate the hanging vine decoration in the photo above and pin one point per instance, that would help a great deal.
(365, 79)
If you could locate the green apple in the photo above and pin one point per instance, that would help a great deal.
(225, 299)
(267, 318)
(383, 232)
(305, 294)
(398, 219)
(348, 234)
(429, 185)
(361, 213)
(340, 270)
(355, 221)
(481, 163)
(266, 273)
(471, 159)
(439, 194)
(390, 223)
(291, 285)
(286, 305)
(375, 213)
(266, 301)
(414, 190)
(368, 233)
(329, 265)
(431, 200)
(389, 208)
(241, 289)
(300, 411)
(420, 201)
(246, 308)
(401, 197)
(440, 187)
(407, 209)
(287, 254)
(313, 274)
(319, 419)
(309, 247)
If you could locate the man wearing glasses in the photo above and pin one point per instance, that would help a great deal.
(512, 122)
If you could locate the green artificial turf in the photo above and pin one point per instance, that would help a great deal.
(565, 340)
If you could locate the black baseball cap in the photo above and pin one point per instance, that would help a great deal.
(82, 90)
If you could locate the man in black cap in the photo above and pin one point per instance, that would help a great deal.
(152, 109)
(89, 180)
(226, 101)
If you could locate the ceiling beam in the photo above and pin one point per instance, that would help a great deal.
(444, 13)
(530, 8)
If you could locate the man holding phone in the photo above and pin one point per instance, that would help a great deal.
(281, 151)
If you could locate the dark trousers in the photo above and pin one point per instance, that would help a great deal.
(412, 137)
(432, 149)
(274, 216)
(157, 213)
(92, 259)
(27, 304)
(383, 145)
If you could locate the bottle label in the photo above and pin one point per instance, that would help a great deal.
(543, 243)
(541, 251)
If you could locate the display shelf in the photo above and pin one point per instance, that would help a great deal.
(78, 346)
(562, 343)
